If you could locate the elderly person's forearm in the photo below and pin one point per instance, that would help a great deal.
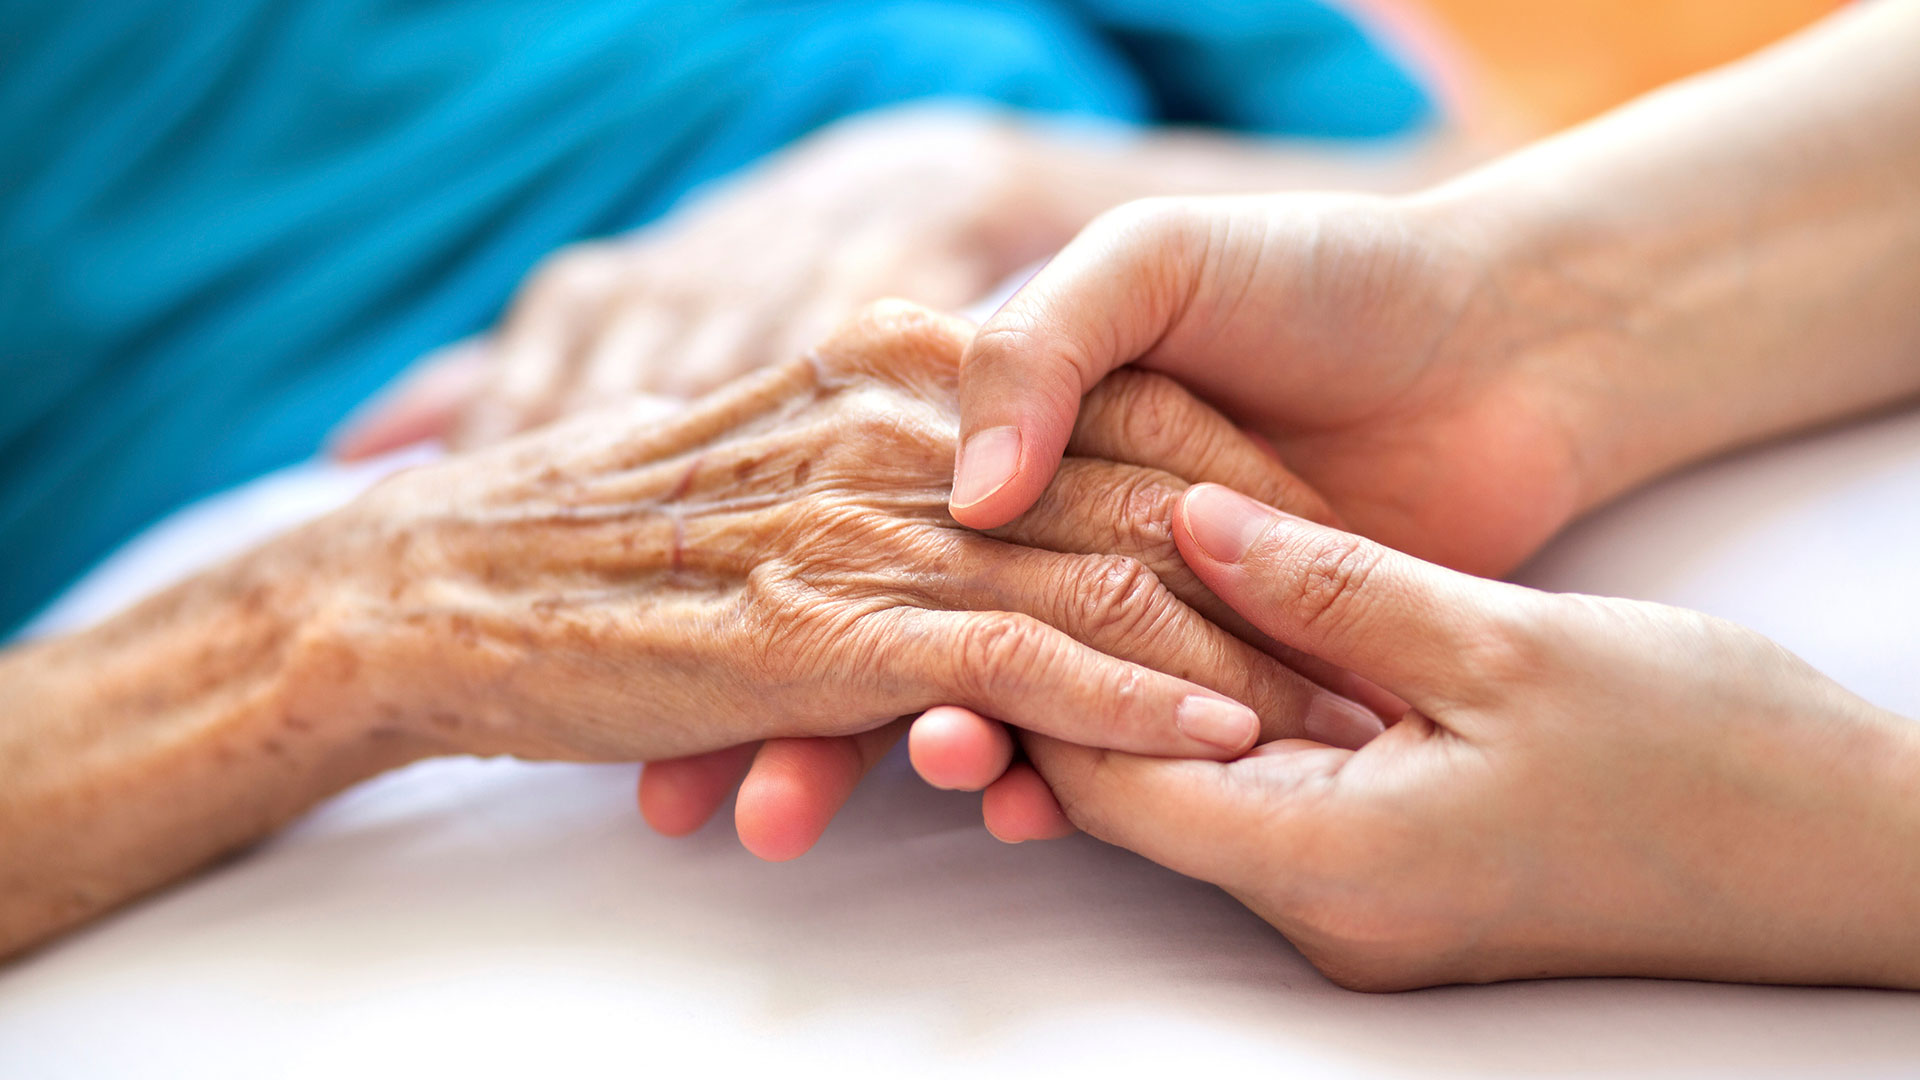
(177, 733)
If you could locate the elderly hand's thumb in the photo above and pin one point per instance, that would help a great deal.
(1374, 611)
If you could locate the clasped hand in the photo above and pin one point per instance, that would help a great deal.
(1564, 784)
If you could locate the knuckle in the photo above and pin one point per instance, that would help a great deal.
(889, 335)
(1119, 596)
(1000, 652)
(1146, 507)
(1134, 511)
(1331, 583)
(1154, 411)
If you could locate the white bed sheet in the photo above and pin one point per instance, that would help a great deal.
(492, 918)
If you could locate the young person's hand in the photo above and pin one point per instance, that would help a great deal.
(1356, 334)
(1461, 371)
(1580, 786)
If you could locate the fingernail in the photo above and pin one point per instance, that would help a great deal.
(986, 464)
(1339, 722)
(1226, 523)
(1224, 724)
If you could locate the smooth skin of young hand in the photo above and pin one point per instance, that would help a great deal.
(1461, 372)
(1581, 786)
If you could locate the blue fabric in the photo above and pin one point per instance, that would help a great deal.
(225, 222)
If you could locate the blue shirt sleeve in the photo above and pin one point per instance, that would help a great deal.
(225, 222)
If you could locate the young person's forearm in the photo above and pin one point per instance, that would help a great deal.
(1087, 171)
(181, 731)
(1730, 259)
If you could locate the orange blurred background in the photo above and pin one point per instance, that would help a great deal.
(1522, 68)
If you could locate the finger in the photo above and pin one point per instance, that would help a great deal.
(807, 325)
(423, 405)
(1015, 667)
(1211, 820)
(796, 786)
(1105, 300)
(1386, 616)
(637, 336)
(1144, 418)
(541, 343)
(958, 749)
(715, 348)
(1019, 807)
(679, 795)
(1116, 605)
(1098, 507)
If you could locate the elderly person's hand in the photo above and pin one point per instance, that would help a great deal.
(1581, 786)
(1120, 519)
(933, 203)
(775, 562)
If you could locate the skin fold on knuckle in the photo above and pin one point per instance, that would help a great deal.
(1098, 507)
(1144, 518)
(889, 338)
(1159, 419)
(1002, 656)
(1322, 581)
(1120, 599)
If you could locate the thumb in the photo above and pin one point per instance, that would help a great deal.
(1102, 302)
(1383, 615)
(1205, 819)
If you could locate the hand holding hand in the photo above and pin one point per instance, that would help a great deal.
(775, 561)
(1137, 443)
(1581, 786)
(1373, 342)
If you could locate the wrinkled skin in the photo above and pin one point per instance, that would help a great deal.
(778, 561)
(774, 562)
